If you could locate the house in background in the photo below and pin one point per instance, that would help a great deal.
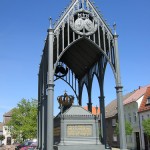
(94, 111)
(1, 131)
(131, 108)
(144, 113)
(7, 130)
(111, 115)
(132, 103)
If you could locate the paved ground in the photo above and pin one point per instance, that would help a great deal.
(8, 147)
(12, 147)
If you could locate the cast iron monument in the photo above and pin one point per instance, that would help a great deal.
(79, 45)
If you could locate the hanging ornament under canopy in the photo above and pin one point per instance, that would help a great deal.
(61, 70)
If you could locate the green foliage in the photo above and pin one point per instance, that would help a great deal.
(24, 120)
(2, 137)
(146, 126)
(128, 128)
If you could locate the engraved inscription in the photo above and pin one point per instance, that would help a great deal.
(82, 130)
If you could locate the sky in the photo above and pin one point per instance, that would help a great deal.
(23, 29)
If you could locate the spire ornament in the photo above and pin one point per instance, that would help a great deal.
(50, 20)
(114, 26)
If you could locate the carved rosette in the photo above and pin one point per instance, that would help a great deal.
(83, 23)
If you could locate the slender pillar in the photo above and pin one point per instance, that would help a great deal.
(80, 94)
(89, 106)
(38, 124)
(43, 123)
(39, 114)
(121, 118)
(123, 145)
(50, 91)
(103, 125)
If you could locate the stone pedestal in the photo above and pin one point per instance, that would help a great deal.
(76, 129)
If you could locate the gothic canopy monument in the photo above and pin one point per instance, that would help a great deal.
(77, 47)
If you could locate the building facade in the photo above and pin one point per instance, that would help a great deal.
(144, 114)
(1, 131)
(111, 114)
(135, 112)
(7, 130)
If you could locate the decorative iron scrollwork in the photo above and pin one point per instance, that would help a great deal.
(83, 22)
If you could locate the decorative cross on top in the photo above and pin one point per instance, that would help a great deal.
(65, 91)
(114, 26)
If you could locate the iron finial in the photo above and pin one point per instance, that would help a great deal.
(50, 20)
(65, 91)
(114, 26)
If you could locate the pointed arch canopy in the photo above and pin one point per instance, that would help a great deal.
(82, 44)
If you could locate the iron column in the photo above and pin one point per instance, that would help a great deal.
(50, 91)
(102, 115)
(123, 145)
(40, 111)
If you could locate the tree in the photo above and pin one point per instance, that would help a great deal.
(2, 137)
(24, 120)
(146, 126)
(128, 128)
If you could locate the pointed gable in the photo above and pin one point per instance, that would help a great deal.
(111, 108)
(81, 5)
(137, 94)
(144, 106)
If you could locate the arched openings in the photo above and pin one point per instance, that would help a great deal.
(69, 78)
(95, 90)
(84, 96)
(60, 88)
(109, 84)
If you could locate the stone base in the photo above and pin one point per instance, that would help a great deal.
(79, 147)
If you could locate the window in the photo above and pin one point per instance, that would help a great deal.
(148, 101)
(113, 122)
(115, 138)
(129, 115)
(134, 114)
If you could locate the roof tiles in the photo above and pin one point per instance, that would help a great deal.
(93, 110)
(144, 106)
(136, 95)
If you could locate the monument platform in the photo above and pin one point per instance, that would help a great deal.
(76, 129)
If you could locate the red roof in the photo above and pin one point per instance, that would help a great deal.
(143, 106)
(136, 95)
(93, 110)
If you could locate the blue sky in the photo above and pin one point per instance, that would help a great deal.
(23, 29)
